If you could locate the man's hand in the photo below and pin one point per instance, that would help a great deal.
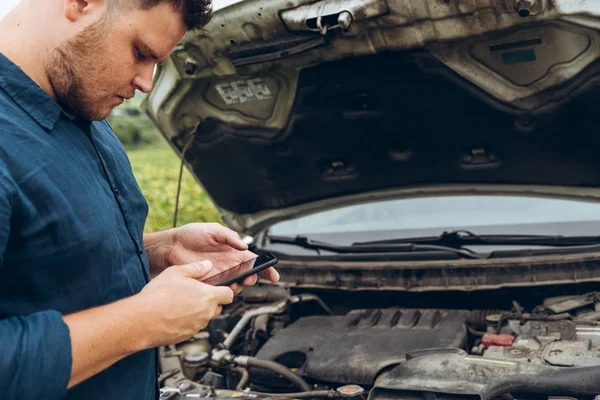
(181, 305)
(171, 308)
(221, 246)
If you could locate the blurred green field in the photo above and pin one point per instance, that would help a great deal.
(156, 169)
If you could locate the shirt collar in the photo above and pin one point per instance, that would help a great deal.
(28, 95)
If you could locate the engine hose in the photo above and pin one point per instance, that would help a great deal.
(243, 380)
(532, 317)
(274, 367)
(272, 309)
(572, 382)
(302, 395)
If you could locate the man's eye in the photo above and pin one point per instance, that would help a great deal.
(138, 55)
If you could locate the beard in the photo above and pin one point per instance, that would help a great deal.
(76, 71)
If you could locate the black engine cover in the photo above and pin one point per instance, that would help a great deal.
(452, 374)
(356, 347)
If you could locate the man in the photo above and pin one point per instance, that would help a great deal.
(79, 316)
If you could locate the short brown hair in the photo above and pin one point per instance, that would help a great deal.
(196, 13)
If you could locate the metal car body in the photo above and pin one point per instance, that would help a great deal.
(427, 173)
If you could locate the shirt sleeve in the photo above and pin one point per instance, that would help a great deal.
(35, 357)
(35, 350)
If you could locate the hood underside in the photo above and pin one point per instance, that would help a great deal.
(281, 113)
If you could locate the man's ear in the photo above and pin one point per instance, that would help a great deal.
(76, 9)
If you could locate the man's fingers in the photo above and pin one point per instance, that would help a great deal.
(196, 270)
(251, 280)
(230, 237)
(237, 243)
(223, 294)
(271, 274)
(236, 288)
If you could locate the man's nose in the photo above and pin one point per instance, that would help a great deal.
(143, 79)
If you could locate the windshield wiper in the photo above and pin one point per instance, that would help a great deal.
(404, 247)
(460, 238)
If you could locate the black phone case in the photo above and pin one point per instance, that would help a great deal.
(246, 274)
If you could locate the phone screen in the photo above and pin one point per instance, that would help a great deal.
(241, 271)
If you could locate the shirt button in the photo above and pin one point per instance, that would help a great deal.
(116, 192)
(140, 250)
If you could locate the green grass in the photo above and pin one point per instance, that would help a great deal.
(156, 169)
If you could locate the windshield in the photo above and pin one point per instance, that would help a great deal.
(431, 216)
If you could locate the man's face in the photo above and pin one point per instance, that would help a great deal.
(106, 62)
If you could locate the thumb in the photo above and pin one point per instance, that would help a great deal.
(196, 270)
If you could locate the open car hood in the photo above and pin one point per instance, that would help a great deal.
(293, 106)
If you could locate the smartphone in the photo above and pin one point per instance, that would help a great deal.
(242, 271)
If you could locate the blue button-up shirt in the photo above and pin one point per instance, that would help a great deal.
(71, 238)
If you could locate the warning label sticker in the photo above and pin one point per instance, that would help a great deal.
(244, 91)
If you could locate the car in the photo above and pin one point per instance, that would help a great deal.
(427, 175)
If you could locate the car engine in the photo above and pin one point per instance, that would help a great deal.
(274, 344)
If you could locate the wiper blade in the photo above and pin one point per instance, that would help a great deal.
(461, 238)
(404, 247)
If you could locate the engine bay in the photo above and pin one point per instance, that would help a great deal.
(271, 343)
(452, 98)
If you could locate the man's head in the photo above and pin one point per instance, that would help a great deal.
(111, 47)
